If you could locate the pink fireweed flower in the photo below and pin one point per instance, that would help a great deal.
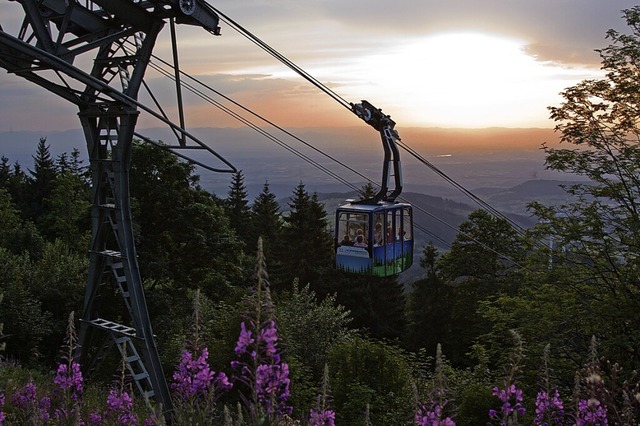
(511, 398)
(322, 418)
(120, 408)
(193, 376)
(267, 376)
(66, 379)
(2, 416)
(26, 401)
(272, 385)
(549, 410)
(95, 419)
(426, 417)
(26, 397)
(117, 401)
(222, 382)
(44, 407)
(269, 336)
(244, 340)
(591, 413)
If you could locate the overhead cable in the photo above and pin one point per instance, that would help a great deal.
(311, 161)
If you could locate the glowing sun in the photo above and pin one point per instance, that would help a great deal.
(461, 80)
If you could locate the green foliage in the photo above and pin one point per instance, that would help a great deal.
(69, 215)
(479, 250)
(376, 304)
(26, 323)
(182, 233)
(367, 192)
(13, 180)
(475, 402)
(370, 373)
(550, 309)
(596, 233)
(306, 245)
(39, 295)
(16, 234)
(428, 307)
(40, 184)
(310, 328)
(481, 265)
(58, 280)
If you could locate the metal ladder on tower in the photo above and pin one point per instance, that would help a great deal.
(112, 266)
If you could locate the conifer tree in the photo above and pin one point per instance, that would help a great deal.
(5, 172)
(237, 207)
(367, 191)
(18, 186)
(306, 246)
(69, 214)
(478, 269)
(266, 220)
(11, 181)
(62, 162)
(41, 182)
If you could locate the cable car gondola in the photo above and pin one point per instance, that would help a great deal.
(374, 236)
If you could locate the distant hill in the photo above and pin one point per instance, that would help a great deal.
(516, 198)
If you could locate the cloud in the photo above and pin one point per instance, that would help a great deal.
(331, 39)
(551, 28)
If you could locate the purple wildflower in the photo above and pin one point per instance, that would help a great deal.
(591, 413)
(26, 397)
(2, 416)
(118, 401)
(193, 376)
(549, 410)
(272, 384)
(26, 402)
(511, 398)
(222, 381)
(44, 407)
(66, 379)
(322, 418)
(120, 407)
(244, 340)
(95, 419)
(269, 336)
(426, 417)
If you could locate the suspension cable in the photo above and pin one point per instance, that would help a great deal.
(257, 41)
(280, 57)
(483, 204)
(308, 159)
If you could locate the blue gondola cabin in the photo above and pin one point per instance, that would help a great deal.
(374, 239)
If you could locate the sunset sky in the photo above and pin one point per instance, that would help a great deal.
(453, 63)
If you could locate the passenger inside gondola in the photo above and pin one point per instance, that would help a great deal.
(360, 242)
(346, 241)
(377, 235)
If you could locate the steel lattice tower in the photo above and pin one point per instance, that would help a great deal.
(55, 35)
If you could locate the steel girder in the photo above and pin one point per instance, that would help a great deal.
(54, 37)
